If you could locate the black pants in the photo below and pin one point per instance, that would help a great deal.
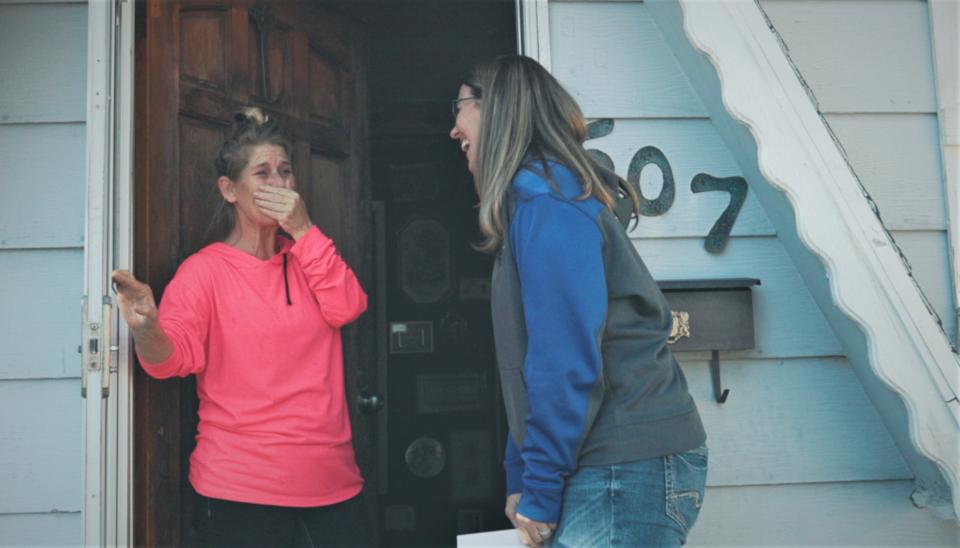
(231, 523)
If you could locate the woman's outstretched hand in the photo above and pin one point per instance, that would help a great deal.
(139, 310)
(286, 206)
(135, 300)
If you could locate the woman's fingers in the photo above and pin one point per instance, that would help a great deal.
(524, 537)
(131, 288)
(276, 190)
(284, 206)
(273, 202)
(134, 298)
(532, 532)
(274, 211)
(529, 537)
(276, 195)
(128, 286)
(122, 278)
(274, 205)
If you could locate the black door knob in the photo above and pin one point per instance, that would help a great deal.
(369, 402)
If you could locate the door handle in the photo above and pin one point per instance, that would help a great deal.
(370, 403)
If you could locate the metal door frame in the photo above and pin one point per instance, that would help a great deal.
(106, 381)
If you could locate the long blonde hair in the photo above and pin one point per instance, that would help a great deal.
(524, 111)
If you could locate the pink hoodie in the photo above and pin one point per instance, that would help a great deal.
(274, 427)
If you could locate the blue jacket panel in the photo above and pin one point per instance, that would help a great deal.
(580, 328)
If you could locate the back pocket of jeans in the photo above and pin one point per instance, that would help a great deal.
(686, 478)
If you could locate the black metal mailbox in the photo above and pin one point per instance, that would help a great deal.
(712, 315)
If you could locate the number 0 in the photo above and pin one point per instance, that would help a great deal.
(644, 157)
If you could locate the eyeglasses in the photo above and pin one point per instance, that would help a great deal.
(456, 103)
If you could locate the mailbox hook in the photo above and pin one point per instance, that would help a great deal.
(718, 392)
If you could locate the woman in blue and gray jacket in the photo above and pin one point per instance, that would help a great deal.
(606, 445)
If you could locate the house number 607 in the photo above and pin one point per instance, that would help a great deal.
(702, 182)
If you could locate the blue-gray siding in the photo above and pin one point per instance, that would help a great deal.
(799, 435)
(42, 105)
(870, 66)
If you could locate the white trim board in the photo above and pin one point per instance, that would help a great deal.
(533, 30)
(827, 221)
(944, 26)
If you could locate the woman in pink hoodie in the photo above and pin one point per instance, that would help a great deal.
(257, 317)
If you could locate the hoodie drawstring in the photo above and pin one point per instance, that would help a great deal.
(286, 284)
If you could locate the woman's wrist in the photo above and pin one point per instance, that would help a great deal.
(297, 234)
(152, 343)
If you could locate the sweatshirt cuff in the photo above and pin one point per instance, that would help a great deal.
(161, 370)
(542, 504)
(310, 242)
(514, 477)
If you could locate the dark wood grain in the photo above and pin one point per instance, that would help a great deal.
(156, 403)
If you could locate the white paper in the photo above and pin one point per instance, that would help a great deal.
(506, 537)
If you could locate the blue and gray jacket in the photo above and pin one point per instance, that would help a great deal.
(581, 330)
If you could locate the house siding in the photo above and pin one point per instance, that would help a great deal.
(42, 110)
(798, 435)
(870, 67)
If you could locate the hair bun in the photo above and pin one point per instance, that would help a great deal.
(251, 114)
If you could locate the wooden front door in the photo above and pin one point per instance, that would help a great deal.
(198, 62)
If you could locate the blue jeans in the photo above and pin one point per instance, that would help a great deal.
(651, 502)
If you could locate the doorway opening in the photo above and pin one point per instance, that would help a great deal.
(363, 88)
(441, 447)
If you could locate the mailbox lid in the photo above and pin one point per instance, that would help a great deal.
(706, 284)
(720, 312)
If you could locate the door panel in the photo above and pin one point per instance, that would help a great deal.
(200, 141)
(202, 60)
(446, 430)
(203, 32)
(443, 444)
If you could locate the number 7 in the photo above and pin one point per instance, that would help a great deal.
(737, 187)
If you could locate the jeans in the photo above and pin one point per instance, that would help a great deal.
(651, 502)
(231, 523)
